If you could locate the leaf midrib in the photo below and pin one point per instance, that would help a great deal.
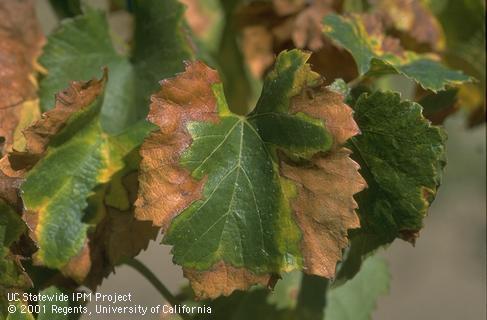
(238, 167)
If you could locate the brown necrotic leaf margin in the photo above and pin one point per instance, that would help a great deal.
(324, 207)
(21, 41)
(76, 97)
(167, 189)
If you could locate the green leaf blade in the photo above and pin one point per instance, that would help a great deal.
(160, 45)
(374, 59)
(68, 157)
(405, 158)
(239, 192)
(78, 50)
(352, 36)
(63, 48)
(298, 134)
(402, 157)
(11, 228)
(52, 308)
(82, 46)
(432, 75)
(239, 163)
(63, 207)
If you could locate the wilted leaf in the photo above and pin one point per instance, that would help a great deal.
(12, 227)
(268, 28)
(356, 299)
(205, 18)
(304, 20)
(377, 54)
(118, 236)
(12, 274)
(288, 7)
(244, 198)
(257, 49)
(70, 135)
(418, 28)
(81, 46)
(402, 158)
(13, 277)
(125, 236)
(20, 44)
(257, 39)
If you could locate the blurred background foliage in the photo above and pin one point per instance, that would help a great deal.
(242, 38)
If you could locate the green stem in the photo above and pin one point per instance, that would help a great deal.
(312, 297)
(237, 86)
(353, 83)
(151, 277)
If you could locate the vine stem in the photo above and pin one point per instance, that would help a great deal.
(353, 83)
(312, 297)
(158, 285)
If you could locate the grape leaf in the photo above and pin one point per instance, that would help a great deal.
(402, 160)
(402, 157)
(12, 227)
(437, 107)
(356, 299)
(413, 22)
(12, 274)
(245, 305)
(20, 44)
(50, 310)
(242, 198)
(257, 49)
(13, 277)
(81, 46)
(17, 314)
(376, 54)
(118, 236)
(268, 27)
(465, 40)
(69, 135)
(205, 18)
(51, 306)
(275, 304)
